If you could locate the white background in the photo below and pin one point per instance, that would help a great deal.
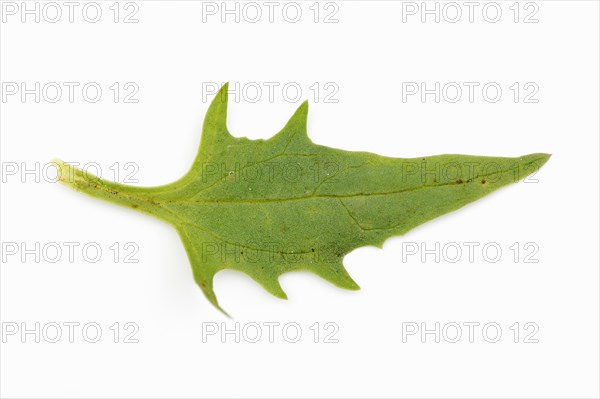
(170, 54)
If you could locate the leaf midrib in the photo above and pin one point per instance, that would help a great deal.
(333, 196)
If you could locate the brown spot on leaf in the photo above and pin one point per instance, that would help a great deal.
(459, 181)
(483, 181)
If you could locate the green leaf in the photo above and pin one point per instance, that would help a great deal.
(268, 207)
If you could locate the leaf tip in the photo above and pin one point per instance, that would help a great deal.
(223, 92)
(214, 129)
(304, 106)
(543, 156)
(536, 160)
(210, 295)
(297, 122)
(338, 276)
(272, 285)
(300, 115)
(224, 312)
(539, 157)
